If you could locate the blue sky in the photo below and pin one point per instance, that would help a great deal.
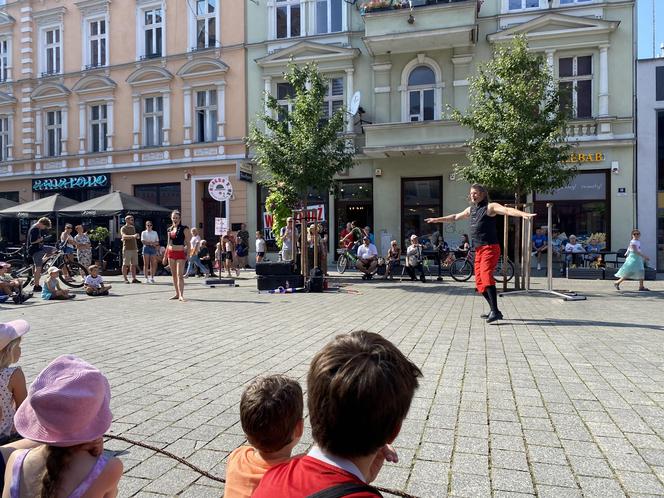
(645, 20)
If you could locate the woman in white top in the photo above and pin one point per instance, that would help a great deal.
(150, 241)
(633, 268)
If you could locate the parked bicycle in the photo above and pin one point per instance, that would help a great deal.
(461, 269)
(23, 269)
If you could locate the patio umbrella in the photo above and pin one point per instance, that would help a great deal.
(114, 204)
(6, 203)
(48, 206)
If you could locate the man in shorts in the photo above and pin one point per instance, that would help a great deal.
(129, 249)
(36, 248)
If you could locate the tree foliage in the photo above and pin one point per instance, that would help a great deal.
(301, 149)
(519, 142)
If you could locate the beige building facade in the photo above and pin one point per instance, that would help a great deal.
(141, 96)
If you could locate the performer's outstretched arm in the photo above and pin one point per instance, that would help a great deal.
(450, 217)
(494, 208)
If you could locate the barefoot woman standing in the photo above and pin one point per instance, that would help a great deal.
(178, 238)
(484, 236)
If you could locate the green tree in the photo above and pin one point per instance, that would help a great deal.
(519, 143)
(301, 149)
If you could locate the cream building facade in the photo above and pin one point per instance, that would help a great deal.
(141, 96)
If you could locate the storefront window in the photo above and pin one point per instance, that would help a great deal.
(582, 208)
(164, 194)
(421, 198)
(353, 202)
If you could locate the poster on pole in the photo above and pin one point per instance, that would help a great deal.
(220, 226)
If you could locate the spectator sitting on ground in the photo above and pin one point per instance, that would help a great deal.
(67, 410)
(12, 380)
(359, 390)
(51, 289)
(414, 259)
(11, 286)
(367, 258)
(94, 284)
(573, 252)
(271, 416)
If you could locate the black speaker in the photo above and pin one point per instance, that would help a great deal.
(316, 280)
(275, 268)
(272, 282)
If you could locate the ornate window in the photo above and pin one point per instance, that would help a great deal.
(98, 128)
(523, 4)
(97, 43)
(206, 115)
(285, 94)
(575, 76)
(329, 16)
(153, 121)
(288, 18)
(52, 47)
(421, 94)
(53, 146)
(5, 59)
(152, 28)
(206, 23)
(334, 97)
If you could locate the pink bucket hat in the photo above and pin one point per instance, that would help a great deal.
(12, 330)
(67, 404)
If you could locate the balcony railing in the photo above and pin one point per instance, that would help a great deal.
(581, 128)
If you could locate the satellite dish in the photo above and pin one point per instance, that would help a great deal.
(354, 103)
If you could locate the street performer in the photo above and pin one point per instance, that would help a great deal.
(484, 237)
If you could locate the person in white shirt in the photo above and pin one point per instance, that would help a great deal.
(150, 241)
(261, 246)
(414, 258)
(573, 252)
(634, 266)
(94, 284)
(367, 258)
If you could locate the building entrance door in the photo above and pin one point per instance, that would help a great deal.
(354, 202)
(211, 209)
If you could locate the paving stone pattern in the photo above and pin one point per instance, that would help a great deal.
(561, 399)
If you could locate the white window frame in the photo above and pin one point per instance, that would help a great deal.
(141, 27)
(574, 3)
(55, 46)
(102, 123)
(5, 137)
(327, 4)
(158, 137)
(287, 103)
(330, 99)
(57, 129)
(211, 128)
(194, 17)
(90, 38)
(543, 4)
(576, 78)
(405, 90)
(289, 4)
(5, 59)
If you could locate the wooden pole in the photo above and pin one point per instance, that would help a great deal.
(505, 255)
(315, 235)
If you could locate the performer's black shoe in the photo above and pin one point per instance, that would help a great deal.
(484, 315)
(494, 316)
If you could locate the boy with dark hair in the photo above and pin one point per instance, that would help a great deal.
(360, 387)
(271, 415)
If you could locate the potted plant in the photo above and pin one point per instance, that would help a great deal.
(99, 235)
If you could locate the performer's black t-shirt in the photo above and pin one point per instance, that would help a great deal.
(482, 226)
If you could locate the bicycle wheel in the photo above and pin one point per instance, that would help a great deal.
(21, 271)
(498, 272)
(461, 269)
(342, 263)
(77, 274)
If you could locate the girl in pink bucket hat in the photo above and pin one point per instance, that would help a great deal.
(67, 410)
(12, 380)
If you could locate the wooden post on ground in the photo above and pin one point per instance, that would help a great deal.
(505, 252)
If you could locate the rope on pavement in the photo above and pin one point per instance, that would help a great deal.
(221, 479)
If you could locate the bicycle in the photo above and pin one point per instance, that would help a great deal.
(461, 269)
(24, 269)
(345, 257)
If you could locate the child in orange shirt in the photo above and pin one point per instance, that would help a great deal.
(271, 415)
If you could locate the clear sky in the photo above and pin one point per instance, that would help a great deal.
(645, 27)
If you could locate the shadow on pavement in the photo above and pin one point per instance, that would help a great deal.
(564, 322)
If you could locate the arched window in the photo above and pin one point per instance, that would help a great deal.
(421, 88)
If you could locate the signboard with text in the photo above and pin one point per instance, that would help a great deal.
(220, 226)
(314, 213)
(220, 189)
(81, 182)
(583, 187)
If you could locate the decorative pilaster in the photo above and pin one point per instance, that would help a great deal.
(350, 89)
(603, 80)
(64, 136)
(382, 91)
(187, 115)
(110, 128)
(39, 130)
(167, 117)
(221, 110)
(81, 127)
(136, 104)
(268, 90)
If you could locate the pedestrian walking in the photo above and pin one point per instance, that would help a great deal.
(243, 247)
(68, 247)
(260, 246)
(129, 249)
(633, 268)
(482, 214)
(194, 259)
(179, 238)
(83, 246)
(150, 241)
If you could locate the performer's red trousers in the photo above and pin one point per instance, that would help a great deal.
(486, 259)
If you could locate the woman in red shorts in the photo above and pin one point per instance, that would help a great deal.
(482, 214)
(177, 247)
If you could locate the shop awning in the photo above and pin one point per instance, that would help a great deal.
(114, 204)
(6, 203)
(48, 206)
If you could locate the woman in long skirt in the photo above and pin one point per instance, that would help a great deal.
(633, 268)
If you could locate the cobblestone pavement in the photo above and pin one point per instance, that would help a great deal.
(561, 399)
